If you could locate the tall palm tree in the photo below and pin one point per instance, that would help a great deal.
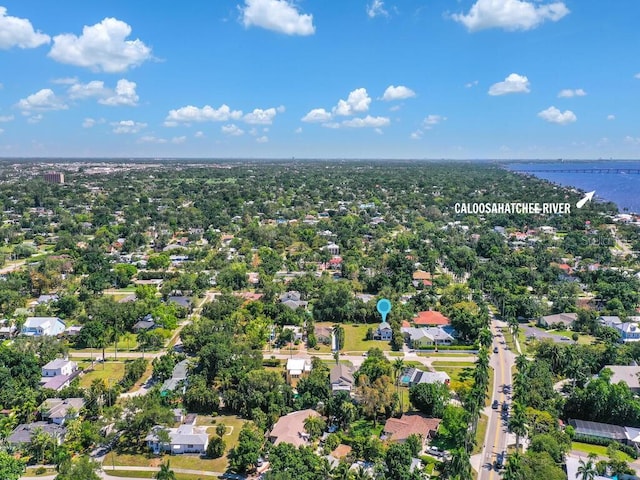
(485, 338)
(165, 472)
(587, 470)
(517, 422)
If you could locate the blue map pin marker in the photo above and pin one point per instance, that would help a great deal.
(384, 307)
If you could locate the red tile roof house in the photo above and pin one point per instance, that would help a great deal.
(399, 429)
(431, 318)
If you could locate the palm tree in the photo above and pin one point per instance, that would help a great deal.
(314, 426)
(165, 472)
(458, 465)
(587, 470)
(361, 474)
(513, 468)
(517, 422)
(485, 338)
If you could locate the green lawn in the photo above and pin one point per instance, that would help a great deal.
(354, 338)
(582, 338)
(481, 431)
(31, 472)
(104, 371)
(599, 450)
(461, 374)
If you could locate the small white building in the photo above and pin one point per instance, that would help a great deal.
(59, 366)
(297, 367)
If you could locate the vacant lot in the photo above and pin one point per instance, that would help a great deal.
(103, 371)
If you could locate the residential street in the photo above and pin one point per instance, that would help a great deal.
(497, 437)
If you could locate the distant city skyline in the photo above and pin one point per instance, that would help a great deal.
(486, 79)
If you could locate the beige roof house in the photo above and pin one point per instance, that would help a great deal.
(626, 374)
(399, 429)
(290, 428)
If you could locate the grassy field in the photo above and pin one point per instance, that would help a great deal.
(481, 431)
(461, 374)
(31, 472)
(129, 474)
(582, 338)
(354, 338)
(103, 371)
(599, 450)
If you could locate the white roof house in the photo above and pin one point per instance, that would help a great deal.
(41, 326)
(298, 366)
(59, 366)
(184, 439)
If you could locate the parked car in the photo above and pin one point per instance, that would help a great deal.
(495, 404)
(435, 451)
(495, 349)
(505, 407)
(501, 458)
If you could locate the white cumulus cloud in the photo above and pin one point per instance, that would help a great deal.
(514, 83)
(367, 121)
(18, 32)
(397, 93)
(262, 139)
(127, 126)
(357, 101)
(179, 140)
(637, 75)
(568, 93)
(317, 115)
(80, 91)
(42, 100)
(376, 9)
(232, 130)
(277, 15)
(260, 117)
(207, 113)
(125, 94)
(510, 14)
(431, 120)
(553, 115)
(611, 117)
(6, 118)
(101, 47)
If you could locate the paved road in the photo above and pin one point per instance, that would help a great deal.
(497, 436)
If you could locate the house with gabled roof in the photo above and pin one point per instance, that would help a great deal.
(43, 326)
(341, 378)
(383, 332)
(184, 439)
(431, 318)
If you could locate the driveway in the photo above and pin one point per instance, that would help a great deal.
(539, 334)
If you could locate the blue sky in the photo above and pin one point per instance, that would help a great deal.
(320, 78)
